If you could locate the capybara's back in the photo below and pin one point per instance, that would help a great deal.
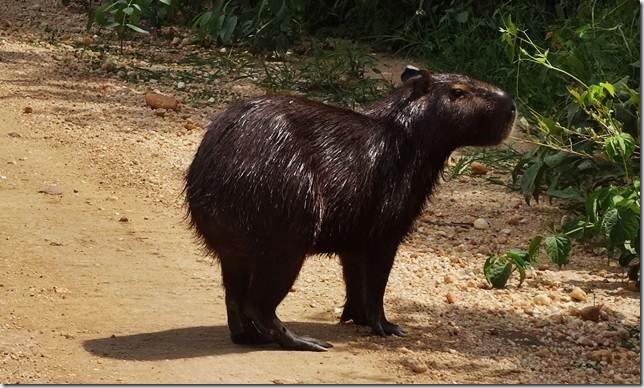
(282, 172)
(277, 178)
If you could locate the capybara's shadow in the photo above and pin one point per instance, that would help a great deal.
(199, 341)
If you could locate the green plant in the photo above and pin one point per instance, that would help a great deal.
(587, 154)
(218, 23)
(498, 268)
(343, 72)
(502, 158)
(124, 15)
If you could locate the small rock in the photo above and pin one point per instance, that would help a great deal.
(450, 298)
(160, 101)
(14, 134)
(55, 243)
(211, 100)
(51, 190)
(542, 300)
(442, 233)
(160, 112)
(190, 126)
(585, 341)
(61, 290)
(108, 65)
(415, 365)
(448, 279)
(27, 109)
(578, 294)
(124, 219)
(600, 355)
(223, 50)
(181, 85)
(285, 381)
(514, 220)
(175, 41)
(479, 168)
(131, 74)
(481, 223)
(506, 231)
(186, 41)
(591, 313)
(121, 73)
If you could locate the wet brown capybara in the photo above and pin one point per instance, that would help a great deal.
(277, 178)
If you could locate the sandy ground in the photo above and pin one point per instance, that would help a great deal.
(102, 282)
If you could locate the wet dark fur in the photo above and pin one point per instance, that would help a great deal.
(277, 178)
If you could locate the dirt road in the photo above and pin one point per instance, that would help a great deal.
(101, 281)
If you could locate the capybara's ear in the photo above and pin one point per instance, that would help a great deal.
(422, 82)
(409, 72)
(420, 79)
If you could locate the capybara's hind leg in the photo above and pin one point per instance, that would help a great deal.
(378, 266)
(270, 282)
(353, 269)
(236, 277)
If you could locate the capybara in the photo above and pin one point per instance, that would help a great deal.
(277, 178)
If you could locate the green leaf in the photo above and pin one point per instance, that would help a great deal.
(228, 28)
(533, 249)
(521, 260)
(555, 159)
(619, 147)
(609, 88)
(128, 11)
(530, 180)
(462, 17)
(575, 228)
(522, 275)
(520, 255)
(558, 249)
(620, 224)
(136, 28)
(497, 270)
(166, 2)
(567, 193)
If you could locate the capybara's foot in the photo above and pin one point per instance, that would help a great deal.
(250, 338)
(294, 342)
(351, 313)
(383, 328)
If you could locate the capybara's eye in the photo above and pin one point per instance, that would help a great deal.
(457, 93)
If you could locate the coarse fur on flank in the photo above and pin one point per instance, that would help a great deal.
(277, 178)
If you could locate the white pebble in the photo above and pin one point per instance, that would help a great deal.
(481, 223)
(542, 299)
(578, 294)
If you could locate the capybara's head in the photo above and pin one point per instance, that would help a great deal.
(471, 112)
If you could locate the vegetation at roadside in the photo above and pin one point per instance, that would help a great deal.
(573, 68)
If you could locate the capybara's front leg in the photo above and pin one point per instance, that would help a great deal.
(378, 264)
